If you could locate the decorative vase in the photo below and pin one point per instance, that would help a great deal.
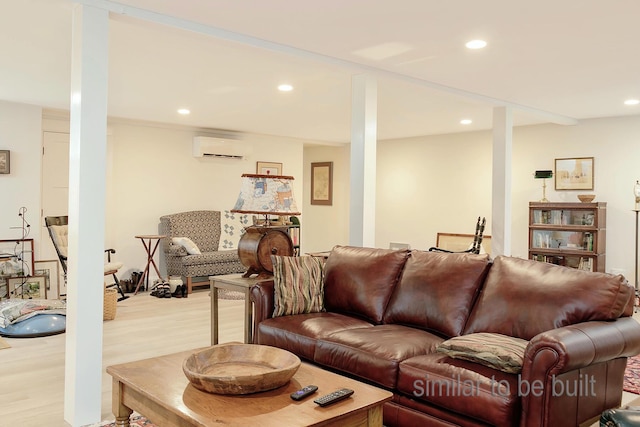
(174, 282)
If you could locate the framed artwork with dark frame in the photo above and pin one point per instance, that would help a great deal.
(5, 161)
(322, 183)
(268, 168)
(574, 173)
(28, 287)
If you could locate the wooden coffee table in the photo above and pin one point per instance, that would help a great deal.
(158, 389)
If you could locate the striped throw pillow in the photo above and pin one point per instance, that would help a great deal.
(494, 350)
(298, 285)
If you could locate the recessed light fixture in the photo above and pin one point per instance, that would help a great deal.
(183, 111)
(466, 121)
(632, 102)
(285, 88)
(476, 44)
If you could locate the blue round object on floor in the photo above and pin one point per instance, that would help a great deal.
(39, 325)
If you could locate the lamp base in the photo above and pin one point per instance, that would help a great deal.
(258, 244)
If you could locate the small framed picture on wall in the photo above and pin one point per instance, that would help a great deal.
(268, 168)
(5, 161)
(322, 183)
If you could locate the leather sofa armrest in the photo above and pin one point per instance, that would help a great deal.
(576, 346)
(563, 353)
(262, 298)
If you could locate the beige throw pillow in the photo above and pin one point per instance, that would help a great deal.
(298, 285)
(494, 350)
(187, 244)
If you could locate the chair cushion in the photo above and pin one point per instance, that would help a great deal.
(112, 267)
(187, 244)
(232, 227)
(215, 257)
(494, 350)
(60, 237)
(298, 285)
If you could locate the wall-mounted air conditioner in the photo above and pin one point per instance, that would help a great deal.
(206, 146)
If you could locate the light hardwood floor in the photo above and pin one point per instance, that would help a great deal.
(32, 370)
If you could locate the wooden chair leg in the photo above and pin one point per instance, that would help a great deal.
(189, 285)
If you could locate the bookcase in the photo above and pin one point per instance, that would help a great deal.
(294, 233)
(569, 234)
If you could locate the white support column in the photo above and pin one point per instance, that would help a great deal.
(501, 187)
(87, 191)
(364, 121)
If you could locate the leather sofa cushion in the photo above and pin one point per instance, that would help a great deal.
(359, 281)
(462, 387)
(562, 296)
(374, 353)
(437, 290)
(299, 333)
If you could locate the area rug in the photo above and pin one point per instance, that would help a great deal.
(632, 375)
(135, 421)
(4, 344)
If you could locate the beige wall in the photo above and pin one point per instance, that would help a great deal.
(442, 183)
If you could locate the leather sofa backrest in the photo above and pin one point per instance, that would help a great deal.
(437, 290)
(359, 281)
(522, 298)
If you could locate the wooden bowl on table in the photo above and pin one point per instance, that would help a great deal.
(240, 368)
(586, 198)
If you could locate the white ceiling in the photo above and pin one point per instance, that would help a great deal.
(553, 60)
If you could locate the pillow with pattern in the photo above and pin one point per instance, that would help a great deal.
(232, 227)
(298, 285)
(489, 349)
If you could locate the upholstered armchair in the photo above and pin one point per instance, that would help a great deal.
(193, 248)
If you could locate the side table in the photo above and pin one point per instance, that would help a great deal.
(147, 242)
(233, 282)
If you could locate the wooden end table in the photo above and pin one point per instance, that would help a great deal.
(158, 389)
(233, 282)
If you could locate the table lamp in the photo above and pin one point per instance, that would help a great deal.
(543, 174)
(264, 195)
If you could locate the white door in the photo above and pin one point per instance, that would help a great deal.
(55, 193)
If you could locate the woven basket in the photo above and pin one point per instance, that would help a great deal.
(110, 304)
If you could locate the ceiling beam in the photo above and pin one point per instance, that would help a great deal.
(187, 25)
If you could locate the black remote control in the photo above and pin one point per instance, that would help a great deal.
(302, 393)
(334, 397)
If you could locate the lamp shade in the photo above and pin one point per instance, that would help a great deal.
(543, 174)
(267, 195)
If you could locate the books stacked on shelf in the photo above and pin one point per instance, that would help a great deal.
(585, 264)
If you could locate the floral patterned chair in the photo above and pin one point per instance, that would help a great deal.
(202, 243)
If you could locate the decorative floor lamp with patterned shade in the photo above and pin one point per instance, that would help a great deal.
(264, 195)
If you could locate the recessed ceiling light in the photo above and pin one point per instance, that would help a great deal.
(285, 88)
(476, 44)
(183, 111)
(466, 121)
(632, 102)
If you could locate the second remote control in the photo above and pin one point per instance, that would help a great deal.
(302, 393)
(334, 397)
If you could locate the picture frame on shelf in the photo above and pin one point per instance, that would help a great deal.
(5, 161)
(50, 269)
(268, 168)
(322, 183)
(28, 287)
(574, 173)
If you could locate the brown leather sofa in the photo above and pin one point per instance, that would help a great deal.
(388, 310)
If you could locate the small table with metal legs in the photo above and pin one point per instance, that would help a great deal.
(147, 242)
